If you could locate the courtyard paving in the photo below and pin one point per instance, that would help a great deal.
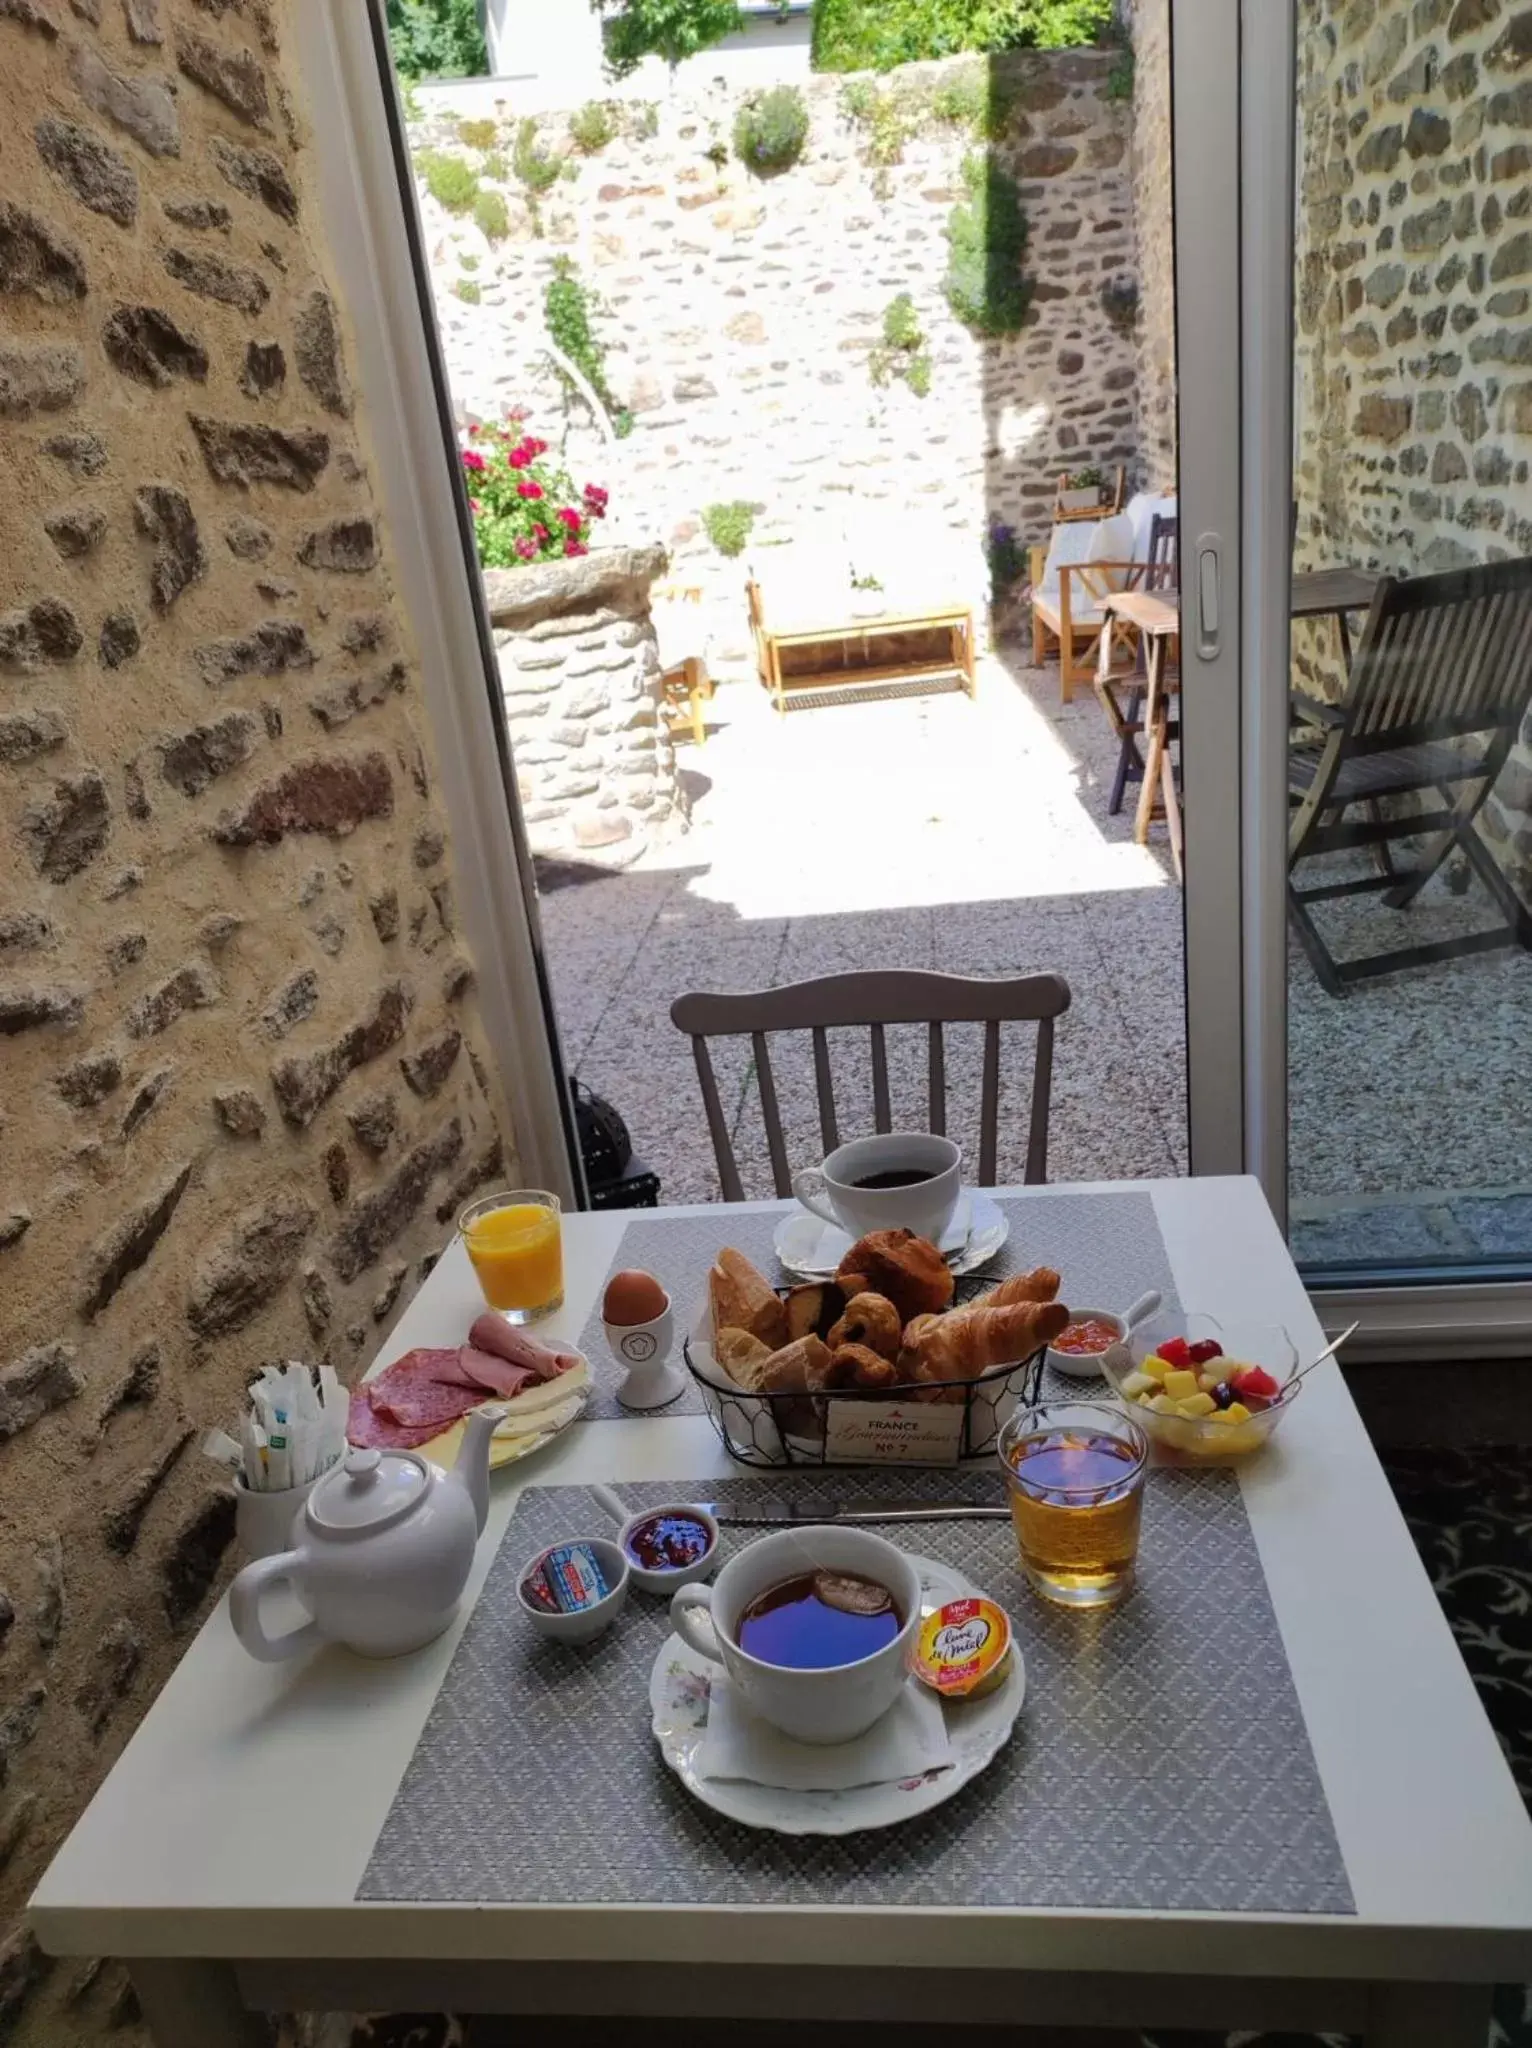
(974, 837)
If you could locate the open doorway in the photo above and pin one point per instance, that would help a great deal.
(793, 328)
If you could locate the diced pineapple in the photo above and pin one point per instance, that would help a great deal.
(1155, 1366)
(1140, 1383)
(1222, 1415)
(1163, 1405)
(1236, 1412)
(1194, 1405)
(1180, 1384)
(1208, 1381)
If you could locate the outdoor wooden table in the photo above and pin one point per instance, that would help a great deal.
(1157, 616)
(1320, 592)
(223, 1854)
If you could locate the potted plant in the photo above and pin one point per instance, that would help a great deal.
(1079, 490)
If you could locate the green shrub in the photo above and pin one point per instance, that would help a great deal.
(409, 102)
(875, 35)
(672, 29)
(593, 126)
(986, 241)
(450, 181)
(466, 261)
(467, 289)
(536, 169)
(477, 134)
(729, 526)
(493, 165)
(644, 122)
(975, 99)
(492, 216)
(436, 39)
(902, 353)
(770, 130)
(885, 119)
(1119, 80)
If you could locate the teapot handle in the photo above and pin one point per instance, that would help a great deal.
(245, 1609)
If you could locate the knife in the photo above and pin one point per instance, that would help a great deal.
(800, 1514)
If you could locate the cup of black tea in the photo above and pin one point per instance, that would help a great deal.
(907, 1180)
(815, 1627)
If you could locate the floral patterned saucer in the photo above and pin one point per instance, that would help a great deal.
(978, 1730)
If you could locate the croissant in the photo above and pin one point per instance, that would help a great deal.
(856, 1368)
(1041, 1284)
(908, 1269)
(872, 1320)
(961, 1346)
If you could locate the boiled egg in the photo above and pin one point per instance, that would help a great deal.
(633, 1297)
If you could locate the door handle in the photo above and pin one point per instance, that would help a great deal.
(1209, 606)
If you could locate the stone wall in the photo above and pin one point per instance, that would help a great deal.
(742, 314)
(242, 1091)
(581, 677)
(1414, 282)
(1155, 231)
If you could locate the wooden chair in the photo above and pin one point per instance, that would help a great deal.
(1436, 696)
(1072, 616)
(874, 1001)
(1122, 697)
(684, 690)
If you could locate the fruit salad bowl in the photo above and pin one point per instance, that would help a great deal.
(1221, 1392)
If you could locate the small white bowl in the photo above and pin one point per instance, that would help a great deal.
(589, 1622)
(649, 1580)
(1087, 1365)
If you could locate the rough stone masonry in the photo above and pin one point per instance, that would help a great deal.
(243, 1090)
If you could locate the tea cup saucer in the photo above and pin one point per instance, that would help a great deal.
(812, 1249)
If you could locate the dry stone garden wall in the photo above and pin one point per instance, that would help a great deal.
(1148, 24)
(242, 1090)
(743, 315)
(1414, 284)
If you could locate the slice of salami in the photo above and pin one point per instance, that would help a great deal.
(370, 1431)
(414, 1399)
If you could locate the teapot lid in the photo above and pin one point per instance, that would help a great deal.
(368, 1490)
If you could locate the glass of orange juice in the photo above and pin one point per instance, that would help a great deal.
(515, 1241)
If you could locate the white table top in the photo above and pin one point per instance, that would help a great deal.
(238, 1822)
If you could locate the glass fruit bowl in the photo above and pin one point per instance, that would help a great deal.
(1146, 1390)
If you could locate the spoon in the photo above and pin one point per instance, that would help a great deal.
(1329, 1352)
(1144, 1307)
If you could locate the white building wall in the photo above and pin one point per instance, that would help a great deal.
(548, 53)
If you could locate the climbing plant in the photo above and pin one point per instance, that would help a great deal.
(567, 314)
(875, 35)
(437, 39)
(672, 29)
(986, 242)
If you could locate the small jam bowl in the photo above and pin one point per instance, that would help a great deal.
(1092, 1365)
(664, 1579)
(589, 1622)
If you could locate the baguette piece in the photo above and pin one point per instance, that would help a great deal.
(798, 1368)
(743, 1357)
(961, 1346)
(743, 1299)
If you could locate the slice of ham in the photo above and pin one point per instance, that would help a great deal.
(493, 1375)
(493, 1333)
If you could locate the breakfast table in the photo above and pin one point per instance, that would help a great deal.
(267, 1841)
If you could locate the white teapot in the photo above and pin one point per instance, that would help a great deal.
(380, 1552)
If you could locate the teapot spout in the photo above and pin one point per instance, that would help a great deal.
(471, 1469)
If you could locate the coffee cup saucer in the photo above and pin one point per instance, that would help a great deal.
(978, 1730)
(812, 1249)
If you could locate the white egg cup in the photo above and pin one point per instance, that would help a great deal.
(643, 1350)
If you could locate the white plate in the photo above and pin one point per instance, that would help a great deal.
(813, 1249)
(978, 1729)
(510, 1450)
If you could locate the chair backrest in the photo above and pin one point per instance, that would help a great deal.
(1442, 657)
(1164, 558)
(873, 1001)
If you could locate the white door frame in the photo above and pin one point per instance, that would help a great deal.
(373, 232)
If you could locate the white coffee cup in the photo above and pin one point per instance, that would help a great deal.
(831, 1705)
(925, 1207)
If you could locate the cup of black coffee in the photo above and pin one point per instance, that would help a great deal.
(898, 1179)
(815, 1627)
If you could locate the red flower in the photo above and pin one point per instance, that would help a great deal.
(472, 459)
(518, 458)
(573, 547)
(594, 495)
(536, 447)
(529, 490)
(539, 531)
(474, 431)
(570, 520)
(526, 549)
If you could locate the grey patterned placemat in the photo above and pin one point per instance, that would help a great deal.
(1160, 1762)
(1108, 1248)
